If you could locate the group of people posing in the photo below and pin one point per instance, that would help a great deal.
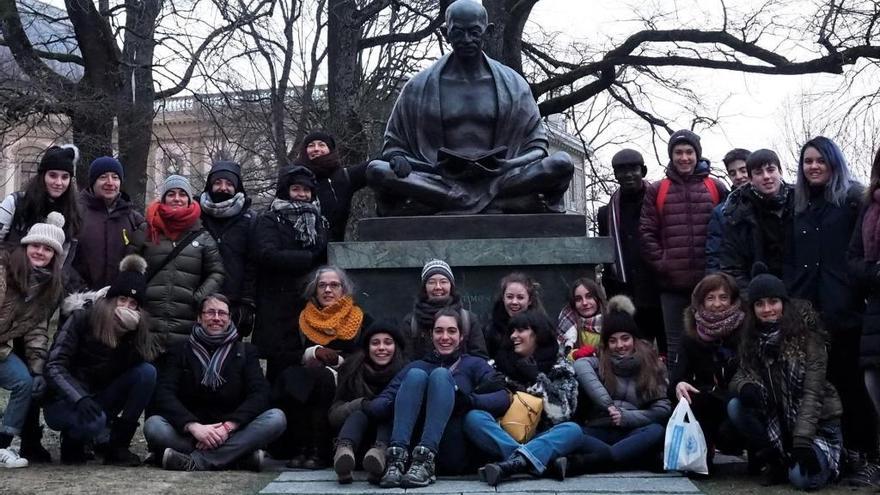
(750, 305)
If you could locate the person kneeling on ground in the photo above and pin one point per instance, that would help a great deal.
(445, 384)
(363, 376)
(626, 385)
(785, 407)
(212, 401)
(531, 363)
(99, 368)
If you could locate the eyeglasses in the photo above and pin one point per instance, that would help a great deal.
(329, 285)
(215, 313)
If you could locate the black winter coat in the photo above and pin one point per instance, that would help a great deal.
(105, 238)
(181, 398)
(867, 275)
(80, 365)
(816, 268)
(283, 264)
(233, 237)
(335, 193)
(708, 366)
(744, 242)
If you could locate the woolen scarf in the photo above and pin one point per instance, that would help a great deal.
(212, 350)
(224, 209)
(871, 229)
(170, 222)
(712, 325)
(769, 339)
(340, 321)
(324, 166)
(625, 366)
(425, 309)
(302, 215)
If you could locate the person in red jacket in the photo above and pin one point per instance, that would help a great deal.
(673, 228)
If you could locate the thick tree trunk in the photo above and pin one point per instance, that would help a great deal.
(509, 18)
(344, 33)
(93, 135)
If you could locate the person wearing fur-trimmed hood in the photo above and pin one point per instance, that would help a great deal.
(626, 388)
(530, 361)
(99, 368)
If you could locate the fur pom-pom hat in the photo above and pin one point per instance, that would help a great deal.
(132, 280)
(50, 233)
(618, 318)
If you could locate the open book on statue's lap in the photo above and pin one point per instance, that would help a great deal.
(461, 165)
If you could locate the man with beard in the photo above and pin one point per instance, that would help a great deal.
(336, 184)
(619, 219)
(227, 217)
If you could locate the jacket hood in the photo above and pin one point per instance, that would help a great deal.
(81, 300)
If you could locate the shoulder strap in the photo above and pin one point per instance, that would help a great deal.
(466, 320)
(713, 190)
(661, 194)
(413, 327)
(173, 254)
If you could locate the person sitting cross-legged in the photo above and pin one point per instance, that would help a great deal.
(212, 401)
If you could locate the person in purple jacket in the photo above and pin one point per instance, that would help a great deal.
(447, 383)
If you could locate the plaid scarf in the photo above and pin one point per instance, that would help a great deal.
(573, 330)
(212, 351)
(302, 215)
(224, 209)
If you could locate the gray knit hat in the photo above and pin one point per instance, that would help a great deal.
(434, 267)
(49, 233)
(176, 182)
(685, 136)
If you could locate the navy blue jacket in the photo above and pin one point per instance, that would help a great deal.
(470, 372)
(714, 236)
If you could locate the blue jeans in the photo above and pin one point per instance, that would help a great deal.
(417, 386)
(15, 377)
(621, 446)
(357, 425)
(484, 431)
(129, 395)
(252, 436)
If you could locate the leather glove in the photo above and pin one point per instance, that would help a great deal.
(528, 368)
(463, 403)
(39, 387)
(327, 356)
(806, 458)
(400, 166)
(750, 396)
(244, 319)
(88, 410)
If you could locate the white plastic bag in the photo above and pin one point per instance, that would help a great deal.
(685, 446)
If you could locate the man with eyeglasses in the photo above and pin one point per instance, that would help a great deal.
(212, 400)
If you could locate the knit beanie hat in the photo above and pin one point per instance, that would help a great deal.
(434, 267)
(685, 136)
(384, 326)
(230, 171)
(629, 156)
(618, 317)
(176, 182)
(49, 233)
(102, 165)
(764, 284)
(59, 158)
(319, 136)
(132, 279)
(295, 174)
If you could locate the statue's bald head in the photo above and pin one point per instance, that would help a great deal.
(466, 11)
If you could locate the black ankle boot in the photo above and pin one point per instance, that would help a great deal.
(497, 471)
(117, 452)
(557, 469)
(72, 451)
(31, 447)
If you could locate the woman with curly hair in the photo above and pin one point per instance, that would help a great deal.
(517, 293)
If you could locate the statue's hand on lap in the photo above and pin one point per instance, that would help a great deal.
(400, 166)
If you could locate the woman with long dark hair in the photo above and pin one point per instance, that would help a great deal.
(30, 289)
(579, 326)
(362, 377)
(517, 293)
(626, 389)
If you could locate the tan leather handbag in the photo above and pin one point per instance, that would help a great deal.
(522, 417)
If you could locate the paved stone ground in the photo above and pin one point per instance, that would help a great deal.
(324, 483)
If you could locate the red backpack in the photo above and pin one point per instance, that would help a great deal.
(666, 183)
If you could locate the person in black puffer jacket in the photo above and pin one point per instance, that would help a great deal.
(335, 183)
(227, 216)
(99, 368)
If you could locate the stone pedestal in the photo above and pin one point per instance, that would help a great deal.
(386, 272)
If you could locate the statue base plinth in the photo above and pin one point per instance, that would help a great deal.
(387, 271)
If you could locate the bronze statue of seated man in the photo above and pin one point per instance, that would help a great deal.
(465, 136)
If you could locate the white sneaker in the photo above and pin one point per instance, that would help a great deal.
(10, 459)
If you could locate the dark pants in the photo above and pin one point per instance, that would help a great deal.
(859, 421)
(127, 396)
(358, 427)
(252, 436)
(621, 447)
(304, 394)
(673, 305)
(711, 412)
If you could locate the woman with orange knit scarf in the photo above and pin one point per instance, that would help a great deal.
(330, 330)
